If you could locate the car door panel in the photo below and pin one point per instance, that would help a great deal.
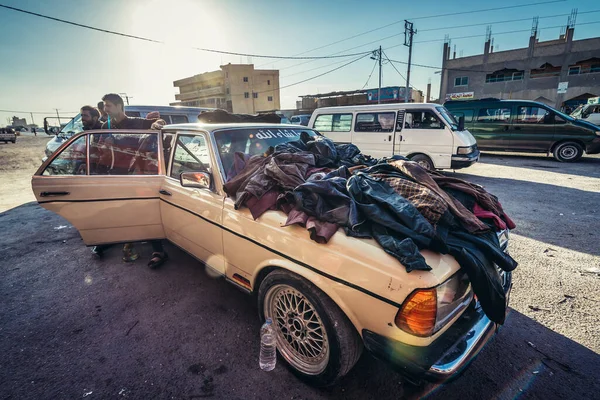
(192, 220)
(103, 208)
(374, 133)
(491, 127)
(532, 129)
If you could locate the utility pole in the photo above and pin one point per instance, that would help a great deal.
(379, 90)
(58, 116)
(32, 121)
(409, 32)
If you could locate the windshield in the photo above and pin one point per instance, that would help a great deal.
(252, 141)
(450, 120)
(578, 111)
(73, 127)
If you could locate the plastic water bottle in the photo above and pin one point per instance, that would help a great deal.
(268, 348)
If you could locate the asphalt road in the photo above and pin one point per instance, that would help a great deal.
(75, 327)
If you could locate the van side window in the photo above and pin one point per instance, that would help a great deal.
(501, 115)
(468, 114)
(533, 115)
(179, 119)
(422, 120)
(375, 122)
(333, 123)
(132, 113)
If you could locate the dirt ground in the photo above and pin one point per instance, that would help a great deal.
(75, 327)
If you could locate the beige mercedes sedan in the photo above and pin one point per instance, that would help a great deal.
(327, 301)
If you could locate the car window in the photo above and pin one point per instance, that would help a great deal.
(333, 123)
(168, 144)
(132, 113)
(498, 115)
(70, 161)
(533, 115)
(191, 155)
(124, 154)
(468, 114)
(422, 119)
(375, 122)
(179, 119)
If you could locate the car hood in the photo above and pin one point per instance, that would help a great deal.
(464, 138)
(586, 124)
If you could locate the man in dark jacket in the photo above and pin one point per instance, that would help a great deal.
(90, 118)
(117, 119)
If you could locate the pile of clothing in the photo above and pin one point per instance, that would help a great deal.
(405, 208)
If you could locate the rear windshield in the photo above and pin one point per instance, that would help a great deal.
(253, 141)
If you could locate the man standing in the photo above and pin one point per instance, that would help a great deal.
(90, 118)
(117, 119)
(103, 115)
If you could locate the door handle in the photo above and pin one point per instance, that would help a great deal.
(48, 194)
(165, 192)
(400, 139)
(390, 138)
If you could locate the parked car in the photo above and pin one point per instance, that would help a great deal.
(171, 115)
(301, 119)
(589, 112)
(326, 301)
(8, 135)
(425, 133)
(526, 126)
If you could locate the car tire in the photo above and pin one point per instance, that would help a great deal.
(423, 161)
(298, 336)
(568, 151)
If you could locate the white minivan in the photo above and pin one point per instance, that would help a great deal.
(425, 133)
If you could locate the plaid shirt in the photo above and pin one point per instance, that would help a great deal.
(430, 204)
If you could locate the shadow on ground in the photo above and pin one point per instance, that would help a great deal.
(73, 325)
(588, 166)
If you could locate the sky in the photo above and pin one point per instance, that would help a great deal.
(48, 65)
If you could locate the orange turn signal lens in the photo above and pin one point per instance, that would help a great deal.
(418, 313)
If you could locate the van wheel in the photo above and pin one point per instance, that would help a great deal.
(314, 337)
(568, 152)
(423, 161)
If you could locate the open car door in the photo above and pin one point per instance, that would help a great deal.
(106, 184)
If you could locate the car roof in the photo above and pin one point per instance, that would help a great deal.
(375, 107)
(490, 101)
(180, 109)
(201, 126)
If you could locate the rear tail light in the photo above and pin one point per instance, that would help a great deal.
(426, 311)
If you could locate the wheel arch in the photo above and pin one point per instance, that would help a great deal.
(578, 141)
(323, 283)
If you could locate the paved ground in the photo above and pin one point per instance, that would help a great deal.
(74, 327)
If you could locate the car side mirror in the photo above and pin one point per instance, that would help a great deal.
(461, 123)
(198, 180)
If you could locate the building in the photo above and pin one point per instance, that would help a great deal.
(390, 94)
(237, 88)
(561, 73)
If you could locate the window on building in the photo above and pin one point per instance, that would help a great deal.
(533, 115)
(246, 95)
(504, 76)
(595, 68)
(333, 123)
(461, 81)
(575, 70)
(544, 71)
(375, 122)
(497, 115)
(227, 90)
(255, 95)
(418, 119)
(245, 79)
(270, 98)
(268, 82)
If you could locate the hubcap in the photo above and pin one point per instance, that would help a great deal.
(301, 336)
(568, 152)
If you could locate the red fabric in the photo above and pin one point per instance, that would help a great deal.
(259, 206)
(481, 213)
(320, 231)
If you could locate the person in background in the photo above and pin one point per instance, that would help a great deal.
(90, 118)
(103, 115)
(117, 119)
(115, 108)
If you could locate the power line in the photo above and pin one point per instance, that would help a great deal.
(37, 112)
(308, 79)
(231, 53)
(369, 78)
(428, 17)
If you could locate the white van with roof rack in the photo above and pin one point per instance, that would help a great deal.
(425, 133)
